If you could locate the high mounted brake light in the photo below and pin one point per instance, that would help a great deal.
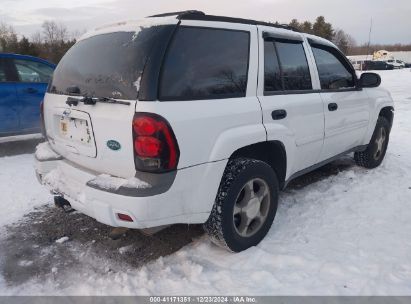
(155, 146)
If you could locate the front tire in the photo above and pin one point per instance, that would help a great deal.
(245, 205)
(373, 156)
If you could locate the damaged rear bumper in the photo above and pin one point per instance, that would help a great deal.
(150, 200)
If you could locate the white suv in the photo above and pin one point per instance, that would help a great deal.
(193, 118)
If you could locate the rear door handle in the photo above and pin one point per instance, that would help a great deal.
(279, 114)
(332, 106)
(30, 90)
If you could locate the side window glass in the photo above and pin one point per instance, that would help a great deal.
(31, 71)
(285, 67)
(272, 72)
(2, 71)
(294, 66)
(332, 71)
(205, 63)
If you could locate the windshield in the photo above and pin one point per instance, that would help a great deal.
(107, 65)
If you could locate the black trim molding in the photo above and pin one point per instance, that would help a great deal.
(324, 162)
(150, 77)
(159, 183)
(289, 37)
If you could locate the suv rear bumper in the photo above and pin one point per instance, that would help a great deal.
(184, 196)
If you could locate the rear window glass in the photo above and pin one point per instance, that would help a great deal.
(107, 65)
(205, 63)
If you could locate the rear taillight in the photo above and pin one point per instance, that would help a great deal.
(155, 146)
(42, 122)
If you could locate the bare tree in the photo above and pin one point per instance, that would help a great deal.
(8, 38)
(351, 42)
(53, 32)
(74, 35)
(6, 30)
(344, 41)
(55, 40)
(36, 38)
(51, 43)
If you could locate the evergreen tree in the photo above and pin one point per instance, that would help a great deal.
(307, 27)
(323, 29)
(27, 48)
(295, 24)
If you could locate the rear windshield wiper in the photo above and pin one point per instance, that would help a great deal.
(112, 100)
(93, 100)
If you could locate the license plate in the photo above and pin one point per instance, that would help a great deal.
(75, 129)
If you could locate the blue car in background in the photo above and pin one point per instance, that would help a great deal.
(23, 83)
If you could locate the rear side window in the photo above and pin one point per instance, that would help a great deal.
(272, 72)
(333, 70)
(32, 71)
(285, 67)
(205, 63)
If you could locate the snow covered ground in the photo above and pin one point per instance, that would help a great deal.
(19, 188)
(348, 233)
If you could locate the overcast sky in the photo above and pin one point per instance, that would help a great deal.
(391, 18)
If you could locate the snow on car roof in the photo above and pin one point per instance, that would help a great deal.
(320, 40)
(129, 26)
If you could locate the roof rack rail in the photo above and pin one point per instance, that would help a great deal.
(180, 14)
(199, 15)
(205, 17)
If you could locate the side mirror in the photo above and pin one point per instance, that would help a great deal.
(370, 80)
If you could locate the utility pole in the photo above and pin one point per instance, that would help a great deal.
(369, 39)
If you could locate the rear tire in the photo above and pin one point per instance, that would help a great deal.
(245, 205)
(373, 156)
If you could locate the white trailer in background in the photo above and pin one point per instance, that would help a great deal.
(404, 56)
(396, 59)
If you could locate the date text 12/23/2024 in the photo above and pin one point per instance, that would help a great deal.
(204, 299)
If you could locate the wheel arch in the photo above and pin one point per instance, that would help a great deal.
(383, 107)
(388, 113)
(271, 152)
